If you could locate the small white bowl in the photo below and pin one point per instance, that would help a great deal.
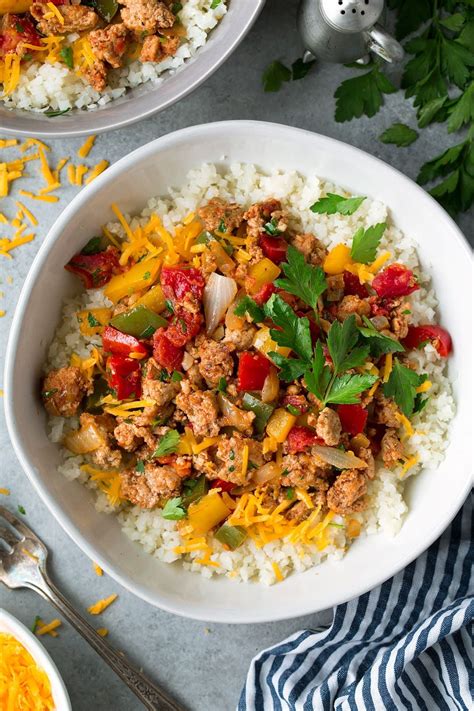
(434, 496)
(11, 625)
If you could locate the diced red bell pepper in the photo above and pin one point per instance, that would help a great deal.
(438, 336)
(301, 438)
(179, 281)
(395, 280)
(252, 371)
(124, 377)
(298, 401)
(262, 296)
(166, 353)
(224, 485)
(353, 418)
(184, 327)
(95, 270)
(274, 248)
(16, 29)
(118, 343)
(353, 287)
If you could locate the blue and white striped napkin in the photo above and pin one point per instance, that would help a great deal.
(405, 645)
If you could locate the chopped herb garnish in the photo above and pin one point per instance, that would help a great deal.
(27, 57)
(67, 57)
(173, 510)
(424, 343)
(22, 510)
(271, 227)
(35, 623)
(169, 306)
(176, 7)
(140, 466)
(222, 226)
(407, 311)
(183, 324)
(215, 3)
(333, 203)
(274, 75)
(49, 393)
(176, 376)
(290, 493)
(92, 321)
(168, 444)
(232, 468)
(402, 385)
(94, 246)
(52, 114)
(222, 385)
(248, 306)
(232, 454)
(163, 375)
(147, 275)
(293, 410)
(19, 27)
(252, 465)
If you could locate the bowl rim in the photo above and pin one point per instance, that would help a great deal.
(113, 125)
(41, 656)
(54, 234)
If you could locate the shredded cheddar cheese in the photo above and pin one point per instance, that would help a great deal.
(86, 147)
(43, 198)
(387, 368)
(277, 571)
(23, 684)
(98, 570)
(103, 631)
(4, 491)
(424, 387)
(409, 463)
(42, 629)
(98, 607)
(406, 424)
(96, 170)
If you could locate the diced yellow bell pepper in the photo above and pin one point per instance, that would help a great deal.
(140, 276)
(264, 343)
(337, 259)
(207, 513)
(279, 424)
(153, 299)
(14, 6)
(223, 261)
(93, 321)
(269, 445)
(263, 272)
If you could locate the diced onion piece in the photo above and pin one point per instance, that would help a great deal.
(267, 472)
(233, 416)
(218, 295)
(188, 360)
(87, 439)
(338, 458)
(271, 386)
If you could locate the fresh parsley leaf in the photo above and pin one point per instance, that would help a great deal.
(293, 410)
(461, 111)
(248, 306)
(346, 388)
(290, 493)
(362, 94)
(302, 280)
(401, 386)
(399, 134)
(173, 510)
(456, 191)
(19, 27)
(290, 368)
(21, 510)
(92, 321)
(215, 3)
(168, 444)
(454, 23)
(294, 333)
(35, 623)
(274, 75)
(342, 339)
(176, 376)
(333, 203)
(318, 376)
(176, 7)
(140, 466)
(420, 403)
(66, 56)
(365, 243)
(378, 343)
(299, 69)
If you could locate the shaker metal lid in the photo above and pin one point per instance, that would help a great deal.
(351, 15)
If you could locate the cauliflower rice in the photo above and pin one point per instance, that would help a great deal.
(56, 87)
(247, 184)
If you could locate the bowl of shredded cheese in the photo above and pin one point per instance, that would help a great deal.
(29, 679)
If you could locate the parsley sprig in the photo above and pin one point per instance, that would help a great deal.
(168, 444)
(333, 203)
(365, 243)
(402, 386)
(302, 279)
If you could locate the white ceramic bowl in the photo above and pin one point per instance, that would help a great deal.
(11, 625)
(144, 100)
(434, 496)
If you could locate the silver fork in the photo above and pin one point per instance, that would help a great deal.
(23, 565)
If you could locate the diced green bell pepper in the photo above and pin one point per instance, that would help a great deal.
(194, 489)
(140, 322)
(262, 410)
(101, 389)
(232, 536)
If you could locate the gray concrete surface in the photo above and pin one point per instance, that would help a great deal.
(203, 665)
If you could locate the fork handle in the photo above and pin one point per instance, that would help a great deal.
(151, 696)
